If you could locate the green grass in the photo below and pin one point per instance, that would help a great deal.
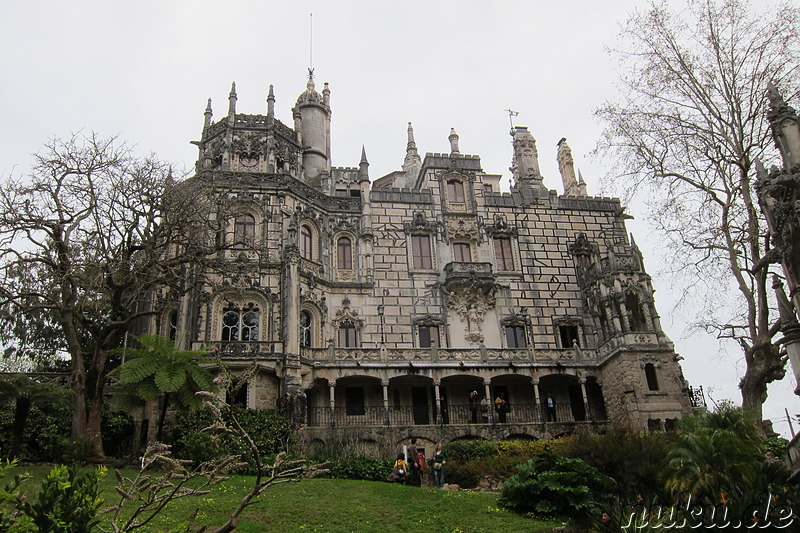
(333, 505)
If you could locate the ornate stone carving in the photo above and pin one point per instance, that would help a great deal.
(462, 227)
(500, 227)
(420, 223)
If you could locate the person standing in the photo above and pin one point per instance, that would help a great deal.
(474, 405)
(501, 406)
(414, 468)
(439, 460)
(551, 408)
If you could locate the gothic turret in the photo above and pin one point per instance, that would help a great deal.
(566, 166)
(312, 114)
(525, 163)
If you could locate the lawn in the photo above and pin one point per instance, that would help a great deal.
(338, 506)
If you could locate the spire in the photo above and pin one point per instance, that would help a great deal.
(207, 115)
(271, 102)
(413, 162)
(566, 167)
(363, 166)
(232, 100)
(453, 141)
(785, 127)
(581, 185)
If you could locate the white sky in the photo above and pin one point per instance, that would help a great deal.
(145, 69)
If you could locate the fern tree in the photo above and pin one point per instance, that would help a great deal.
(158, 368)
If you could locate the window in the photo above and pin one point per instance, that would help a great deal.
(569, 334)
(354, 400)
(461, 252)
(173, 325)
(347, 335)
(421, 251)
(344, 253)
(240, 325)
(428, 336)
(306, 336)
(636, 319)
(455, 191)
(503, 254)
(306, 243)
(244, 230)
(515, 337)
(650, 374)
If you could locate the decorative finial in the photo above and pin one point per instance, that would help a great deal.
(453, 138)
(310, 85)
(510, 120)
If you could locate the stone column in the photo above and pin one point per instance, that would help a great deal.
(332, 401)
(438, 400)
(585, 398)
(489, 398)
(623, 311)
(538, 408)
(385, 386)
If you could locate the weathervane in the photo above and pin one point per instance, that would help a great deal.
(511, 114)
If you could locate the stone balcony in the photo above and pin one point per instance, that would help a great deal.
(474, 275)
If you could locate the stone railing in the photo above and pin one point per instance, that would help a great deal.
(242, 349)
(450, 415)
(634, 338)
(566, 356)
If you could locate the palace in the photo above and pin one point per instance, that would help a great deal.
(379, 305)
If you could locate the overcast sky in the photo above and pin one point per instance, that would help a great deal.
(144, 71)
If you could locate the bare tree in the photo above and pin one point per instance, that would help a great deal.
(90, 237)
(688, 127)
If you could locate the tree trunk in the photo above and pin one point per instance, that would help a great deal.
(764, 366)
(162, 418)
(21, 410)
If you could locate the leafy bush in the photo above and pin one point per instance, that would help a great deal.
(466, 450)
(68, 502)
(269, 430)
(46, 432)
(526, 449)
(363, 468)
(634, 459)
(557, 486)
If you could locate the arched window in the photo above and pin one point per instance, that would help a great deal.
(240, 324)
(344, 253)
(306, 331)
(633, 305)
(455, 191)
(347, 335)
(244, 230)
(173, 325)
(306, 243)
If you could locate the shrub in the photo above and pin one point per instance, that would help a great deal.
(466, 450)
(68, 501)
(46, 432)
(557, 486)
(362, 468)
(118, 431)
(526, 449)
(634, 459)
(269, 430)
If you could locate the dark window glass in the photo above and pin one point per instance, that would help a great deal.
(568, 335)
(428, 336)
(344, 253)
(461, 252)
(306, 336)
(650, 374)
(240, 325)
(244, 230)
(515, 337)
(306, 245)
(347, 335)
(455, 191)
(421, 252)
(503, 254)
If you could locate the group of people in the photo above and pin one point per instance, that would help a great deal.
(502, 407)
(410, 465)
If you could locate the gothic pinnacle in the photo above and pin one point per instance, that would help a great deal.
(270, 102)
(363, 165)
(453, 138)
(208, 115)
(232, 100)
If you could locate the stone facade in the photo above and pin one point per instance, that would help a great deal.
(380, 305)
